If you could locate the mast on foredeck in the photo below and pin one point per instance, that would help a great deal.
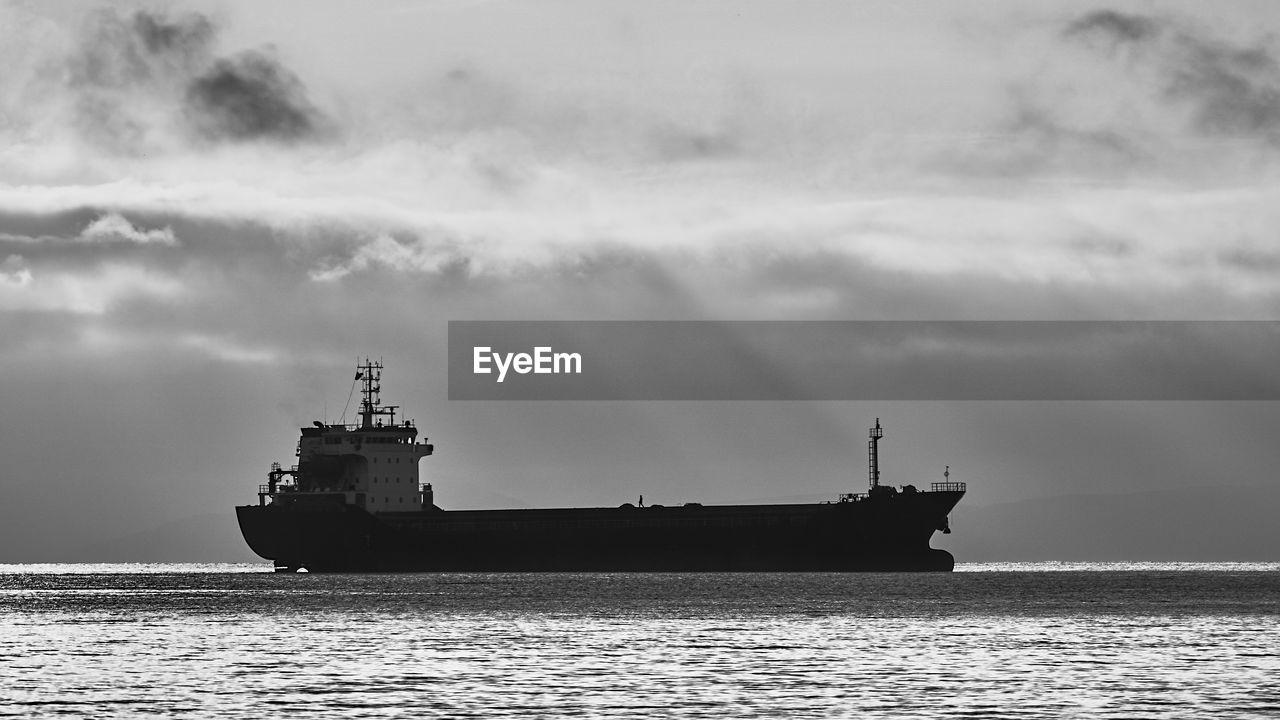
(873, 455)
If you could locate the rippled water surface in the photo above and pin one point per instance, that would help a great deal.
(1164, 641)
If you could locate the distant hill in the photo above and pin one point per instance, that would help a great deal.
(1190, 524)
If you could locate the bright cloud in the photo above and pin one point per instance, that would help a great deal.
(14, 272)
(113, 227)
(93, 292)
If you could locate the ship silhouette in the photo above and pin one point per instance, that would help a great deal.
(354, 503)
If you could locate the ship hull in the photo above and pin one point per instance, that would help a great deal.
(887, 533)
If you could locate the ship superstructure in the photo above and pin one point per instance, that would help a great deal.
(353, 503)
(371, 465)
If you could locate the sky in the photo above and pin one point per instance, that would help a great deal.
(209, 210)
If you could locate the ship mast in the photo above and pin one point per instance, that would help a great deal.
(873, 454)
(370, 402)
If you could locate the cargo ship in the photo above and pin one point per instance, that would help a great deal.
(354, 503)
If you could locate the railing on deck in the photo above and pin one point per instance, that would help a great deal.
(948, 487)
(265, 493)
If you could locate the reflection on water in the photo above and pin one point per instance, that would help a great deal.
(993, 641)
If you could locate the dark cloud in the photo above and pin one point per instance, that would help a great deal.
(137, 77)
(1114, 26)
(123, 66)
(1231, 88)
(248, 97)
(1236, 91)
(141, 49)
(188, 36)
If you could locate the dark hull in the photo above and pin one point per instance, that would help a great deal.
(886, 533)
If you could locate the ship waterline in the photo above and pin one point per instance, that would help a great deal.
(354, 503)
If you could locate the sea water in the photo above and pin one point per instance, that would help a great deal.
(988, 641)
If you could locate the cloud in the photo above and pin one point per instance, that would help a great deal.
(1235, 91)
(141, 49)
(251, 96)
(227, 349)
(127, 71)
(14, 272)
(474, 173)
(386, 253)
(188, 36)
(1040, 139)
(1066, 236)
(1114, 26)
(113, 227)
(81, 291)
(1252, 260)
(1231, 87)
(150, 81)
(1116, 96)
(106, 229)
